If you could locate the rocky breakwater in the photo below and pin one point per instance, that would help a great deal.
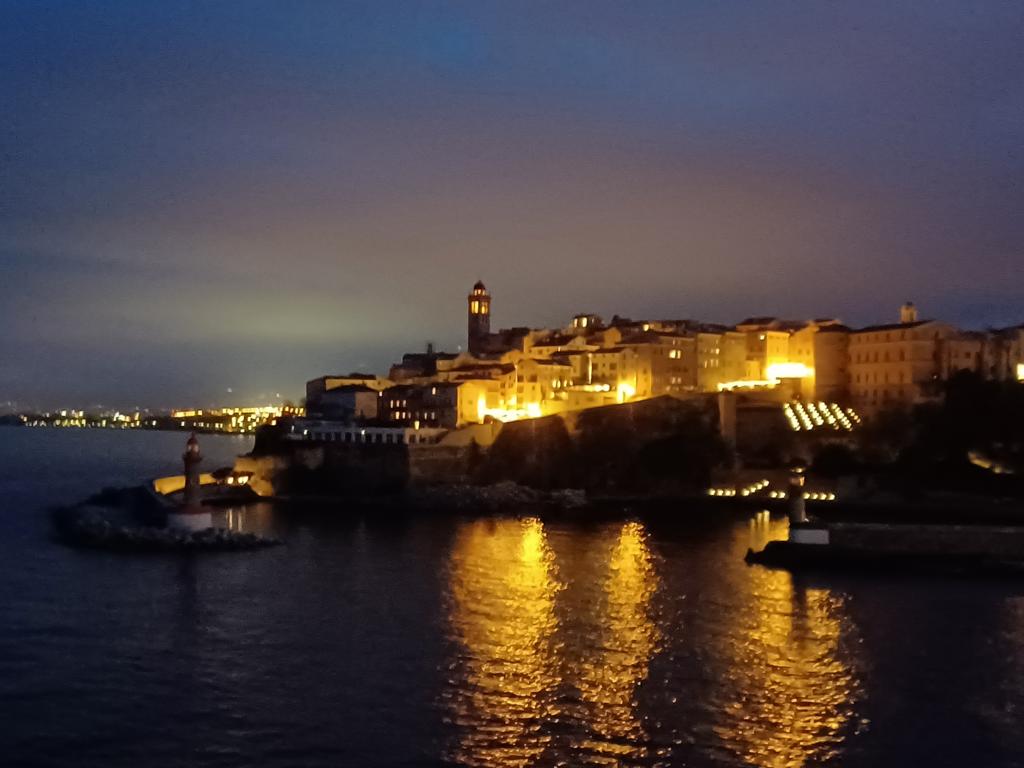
(116, 528)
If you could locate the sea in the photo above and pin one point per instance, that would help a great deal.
(376, 638)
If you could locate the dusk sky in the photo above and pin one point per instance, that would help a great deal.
(204, 197)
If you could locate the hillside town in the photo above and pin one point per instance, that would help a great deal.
(816, 373)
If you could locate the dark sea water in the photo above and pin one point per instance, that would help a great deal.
(483, 642)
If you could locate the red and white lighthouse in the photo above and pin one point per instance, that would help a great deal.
(191, 516)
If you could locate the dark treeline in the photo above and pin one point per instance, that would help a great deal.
(971, 439)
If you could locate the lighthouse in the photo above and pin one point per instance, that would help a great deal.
(191, 516)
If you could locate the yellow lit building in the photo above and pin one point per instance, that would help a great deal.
(767, 345)
(336, 396)
(1003, 356)
(905, 363)
(721, 357)
(542, 382)
(447, 404)
(523, 372)
(822, 348)
(559, 344)
(898, 364)
(665, 363)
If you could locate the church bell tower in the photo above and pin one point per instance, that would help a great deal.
(479, 321)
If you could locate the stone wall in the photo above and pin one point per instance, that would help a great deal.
(339, 468)
(440, 464)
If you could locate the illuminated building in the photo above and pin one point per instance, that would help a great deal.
(1004, 354)
(709, 361)
(898, 364)
(449, 404)
(962, 352)
(822, 347)
(521, 372)
(767, 344)
(905, 363)
(432, 405)
(558, 343)
(352, 402)
(609, 366)
(318, 387)
(541, 381)
(418, 365)
(721, 357)
(665, 363)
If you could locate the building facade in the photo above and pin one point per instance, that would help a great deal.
(897, 365)
(520, 372)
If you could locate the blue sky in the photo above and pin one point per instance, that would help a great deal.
(200, 197)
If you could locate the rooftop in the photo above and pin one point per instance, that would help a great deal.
(893, 326)
(766, 320)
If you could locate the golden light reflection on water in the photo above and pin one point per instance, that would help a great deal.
(628, 638)
(787, 696)
(522, 675)
(503, 591)
(553, 648)
(248, 518)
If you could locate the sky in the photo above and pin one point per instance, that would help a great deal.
(209, 203)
